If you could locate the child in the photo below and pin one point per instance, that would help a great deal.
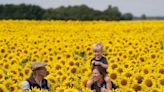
(100, 60)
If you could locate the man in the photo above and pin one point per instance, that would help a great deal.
(37, 77)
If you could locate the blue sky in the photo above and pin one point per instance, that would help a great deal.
(136, 7)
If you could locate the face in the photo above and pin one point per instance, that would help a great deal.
(96, 75)
(42, 71)
(97, 53)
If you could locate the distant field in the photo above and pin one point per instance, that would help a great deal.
(134, 50)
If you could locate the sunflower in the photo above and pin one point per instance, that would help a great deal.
(62, 61)
(14, 88)
(84, 89)
(148, 82)
(161, 70)
(112, 60)
(3, 88)
(70, 63)
(83, 81)
(114, 76)
(11, 56)
(142, 59)
(51, 79)
(27, 71)
(8, 83)
(137, 87)
(6, 66)
(3, 50)
(113, 66)
(71, 90)
(146, 69)
(68, 55)
(139, 78)
(161, 89)
(89, 53)
(130, 51)
(120, 69)
(154, 56)
(161, 81)
(84, 69)
(59, 56)
(45, 52)
(2, 75)
(64, 77)
(58, 66)
(37, 90)
(123, 82)
(74, 70)
(68, 83)
(14, 60)
(59, 72)
(51, 58)
(128, 74)
(60, 89)
(155, 90)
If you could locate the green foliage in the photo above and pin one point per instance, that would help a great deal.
(81, 12)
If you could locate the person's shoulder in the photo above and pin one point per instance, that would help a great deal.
(25, 85)
(92, 58)
(103, 57)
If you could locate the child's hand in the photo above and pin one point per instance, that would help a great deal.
(97, 63)
(93, 62)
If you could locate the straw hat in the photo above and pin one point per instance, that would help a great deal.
(36, 65)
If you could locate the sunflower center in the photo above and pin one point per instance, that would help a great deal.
(1, 90)
(161, 71)
(137, 87)
(162, 81)
(149, 83)
(73, 70)
(113, 76)
(123, 82)
(114, 66)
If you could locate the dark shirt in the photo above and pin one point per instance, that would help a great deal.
(33, 83)
(102, 60)
(97, 88)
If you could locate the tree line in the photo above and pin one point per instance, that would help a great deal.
(81, 12)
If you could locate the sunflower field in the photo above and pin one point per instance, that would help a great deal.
(134, 50)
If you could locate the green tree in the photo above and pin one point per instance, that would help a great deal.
(127, 16)
(112, 13)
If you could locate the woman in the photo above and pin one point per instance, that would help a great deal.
(99, 85)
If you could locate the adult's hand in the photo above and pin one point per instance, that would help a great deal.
(104, 90)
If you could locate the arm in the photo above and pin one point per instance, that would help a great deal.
(101, 64)
(49, 86)
(25, 86)
(104, 65)
(93, 90)
(104, 90)
(108, 83)
(92, 62)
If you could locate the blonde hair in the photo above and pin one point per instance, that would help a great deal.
(97, 46)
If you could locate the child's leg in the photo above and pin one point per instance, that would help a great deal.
(108, 82)
(89, 83)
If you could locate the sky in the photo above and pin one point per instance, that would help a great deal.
(136, 7)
